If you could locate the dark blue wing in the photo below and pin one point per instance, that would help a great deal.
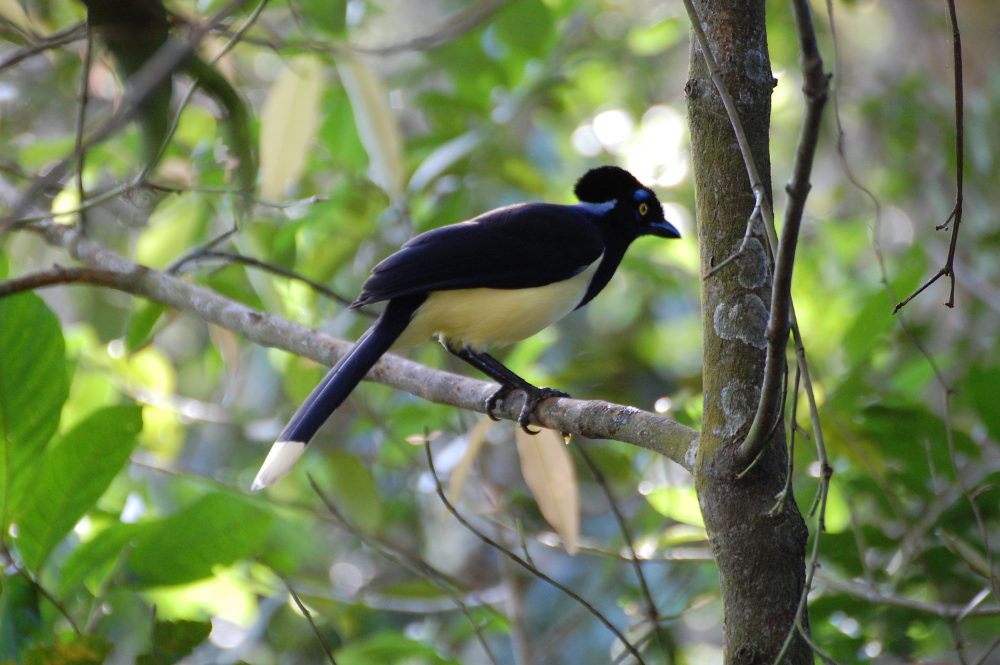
(520, 246)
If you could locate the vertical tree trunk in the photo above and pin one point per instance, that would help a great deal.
(760, 549)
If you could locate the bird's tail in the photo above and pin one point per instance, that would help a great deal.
(332, 391)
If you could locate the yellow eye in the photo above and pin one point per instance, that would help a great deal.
(643, 208)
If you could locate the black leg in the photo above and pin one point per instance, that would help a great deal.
(509, 382)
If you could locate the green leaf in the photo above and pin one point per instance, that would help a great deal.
(910, 439)
(656, 38)
(352, 488)
(981, 387)
(677, 503)
(217, 530)
(173, 640)
(75, 472)
(873, 322)
(377, 124)
(326, 16)
(390, 648)
(140, 325)
(20, 617)
(74, 650)
(526, 26)
(288, 125)
(92, 561)
(869, 330)
(33, 388)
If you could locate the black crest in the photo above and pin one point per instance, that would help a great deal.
(605, 183)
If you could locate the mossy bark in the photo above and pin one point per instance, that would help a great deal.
(760, 550)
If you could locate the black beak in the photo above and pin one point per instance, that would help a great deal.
(663, 229)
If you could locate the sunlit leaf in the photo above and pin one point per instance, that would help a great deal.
(93, 560)
(12, 11)
(476, 439)
(389, 648)
(33, 387)
(548, 470)
(216, 530)
(377, 125)
(655, 38)
(441, 159)
(173, 227)
(75, 471)
(678, 503)
(288, 124)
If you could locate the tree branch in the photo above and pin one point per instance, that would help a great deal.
(955, 218)
(877, 597)
(593, 419)
(815, 87)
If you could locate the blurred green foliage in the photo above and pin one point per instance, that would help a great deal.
(131, 432)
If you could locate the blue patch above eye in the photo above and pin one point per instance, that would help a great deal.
(640, 195)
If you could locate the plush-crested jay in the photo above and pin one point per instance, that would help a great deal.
(495, 279)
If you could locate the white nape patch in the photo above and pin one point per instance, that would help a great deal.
(281, 459)
(597, 208)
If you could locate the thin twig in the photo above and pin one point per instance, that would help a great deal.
(49, 596)
(307, 614)
(955, 218)
(782, 497)
(524, 564)
(871, 594)
(81, 120)
(451, 28)
(815, 88)
(945, 386)
(141, 86)
(437, 578)
(812, 567)
(208, 254)
(61, 38)
(93, 202)
(652, 613)
(827, 658)
(989, 650)
(984, 535)
(747, 235)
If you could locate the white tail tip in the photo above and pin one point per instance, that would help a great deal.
(281, 459)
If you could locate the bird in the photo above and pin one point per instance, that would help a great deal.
(492, 280)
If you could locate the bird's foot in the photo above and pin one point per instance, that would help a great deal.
(533, 396)
(491, 401)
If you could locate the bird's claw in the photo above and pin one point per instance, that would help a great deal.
(491, 401)
(533, 396)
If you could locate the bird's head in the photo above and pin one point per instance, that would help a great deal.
(611, 183)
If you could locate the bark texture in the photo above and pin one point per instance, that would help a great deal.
(760, 550)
